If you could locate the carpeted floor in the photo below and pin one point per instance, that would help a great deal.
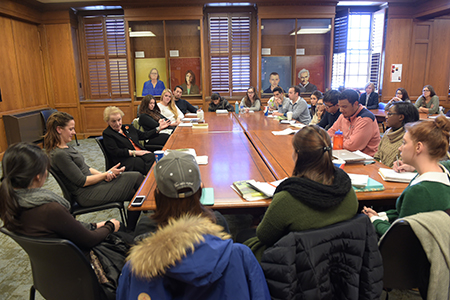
(15, 271)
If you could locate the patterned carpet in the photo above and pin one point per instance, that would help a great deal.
(15, 271)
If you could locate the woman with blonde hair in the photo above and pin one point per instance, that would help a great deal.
(424, 145)
(86, 185)
(169, 109)
(122, 142)
(369, 99)
(316, 195)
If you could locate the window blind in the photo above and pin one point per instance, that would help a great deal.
(230, 47)
(106, 57)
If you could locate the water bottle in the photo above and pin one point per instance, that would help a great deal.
(200, 115)
(242, 110)
(338, 140)
(236, 107)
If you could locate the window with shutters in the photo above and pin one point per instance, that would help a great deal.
(358, 41)
(106, 57)
(230, 51)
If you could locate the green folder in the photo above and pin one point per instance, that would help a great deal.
(207, 196)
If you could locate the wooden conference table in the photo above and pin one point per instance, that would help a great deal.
(242, 147)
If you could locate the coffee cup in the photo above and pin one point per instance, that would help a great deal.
(158, 155)
(289, 115)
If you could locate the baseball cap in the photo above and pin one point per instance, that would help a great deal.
(176, 171)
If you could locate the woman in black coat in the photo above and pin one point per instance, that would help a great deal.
(122, 142)
(150, 118)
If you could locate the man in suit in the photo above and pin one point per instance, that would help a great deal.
(305, 86)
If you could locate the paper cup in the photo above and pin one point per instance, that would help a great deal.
(289, 115)
(158, 155)
(338, 162)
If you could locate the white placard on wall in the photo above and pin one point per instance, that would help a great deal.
(396, 73)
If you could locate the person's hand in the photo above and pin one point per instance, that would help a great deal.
(278, 101)
(114, 221)
(163, 124)
(141, 152)
(369, 212)
(423, 110)
(400, 166)
(247, 110)
(116, 170)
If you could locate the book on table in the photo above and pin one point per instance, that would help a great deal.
(267, 188)
(391, 175)
(247, 192)
(372, 186)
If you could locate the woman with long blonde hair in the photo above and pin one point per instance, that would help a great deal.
(169, 109)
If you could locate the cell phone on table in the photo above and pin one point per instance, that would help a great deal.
(138, 201)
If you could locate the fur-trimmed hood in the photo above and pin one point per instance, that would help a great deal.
(200, 245)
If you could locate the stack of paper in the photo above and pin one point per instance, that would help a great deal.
(267, 188)
(287, 131)
(199, 125)
(359, 180)
(190, 115)
(185, 124)
(221, 111)
(287, 122)
(190, 119)
(391, 175)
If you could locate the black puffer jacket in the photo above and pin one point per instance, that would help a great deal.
(340, 261)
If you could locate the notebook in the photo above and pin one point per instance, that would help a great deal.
(207, 196)
(391, 175)
(372, 186)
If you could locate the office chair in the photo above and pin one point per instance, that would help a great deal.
(147, 147)
(76, 209)
(46, 114)
(101, 145)
(60, 270)
(405, 263)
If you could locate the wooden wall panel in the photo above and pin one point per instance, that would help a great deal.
(29, 64)
(420, 58)
(92, 116)
(61, 63)
(9, 77)
(439, 66)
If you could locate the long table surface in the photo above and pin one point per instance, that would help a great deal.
(231, 157)
(242, 147)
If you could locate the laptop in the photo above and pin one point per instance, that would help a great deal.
(348, 156)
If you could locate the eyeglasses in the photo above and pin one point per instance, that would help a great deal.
(389, 114)
(329, 106)
(424, 90)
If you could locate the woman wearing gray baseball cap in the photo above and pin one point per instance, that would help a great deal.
(189, 253)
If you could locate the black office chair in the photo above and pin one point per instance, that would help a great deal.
(76, 209)
(405, 263)
(152, 148)
(60, 270)
(101, 145)
(46, 114)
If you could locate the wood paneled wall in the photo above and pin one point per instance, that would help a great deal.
(422, 49)
(22, 80)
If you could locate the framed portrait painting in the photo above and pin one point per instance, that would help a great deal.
(186, 73)
(276, 70)
(314, 65)
(151, 76)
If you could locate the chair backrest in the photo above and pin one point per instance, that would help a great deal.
(108, 160)
(61, 184)
(46, 114)
(60, 270)
(339, 261)
(404, 260)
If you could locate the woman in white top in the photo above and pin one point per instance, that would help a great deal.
(169, 109)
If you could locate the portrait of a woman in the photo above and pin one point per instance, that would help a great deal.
(189, 87)
(154, 86)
